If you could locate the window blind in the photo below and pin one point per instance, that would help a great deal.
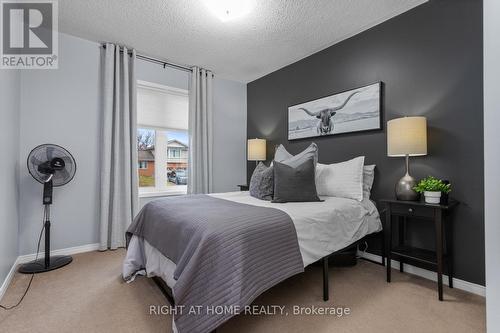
(162, 108)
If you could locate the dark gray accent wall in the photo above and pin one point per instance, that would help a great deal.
(430, 60)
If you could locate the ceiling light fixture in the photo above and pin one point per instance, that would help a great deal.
(227, 10)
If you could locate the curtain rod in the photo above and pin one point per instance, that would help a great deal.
(158, 61)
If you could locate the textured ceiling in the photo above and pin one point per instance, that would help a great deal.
(274, 34)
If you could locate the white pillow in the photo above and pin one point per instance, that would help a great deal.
(344, 180)
(368, 176)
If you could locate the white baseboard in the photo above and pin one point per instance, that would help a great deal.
(430, 275)
(29, 257)
(8, 278)
(61, 252)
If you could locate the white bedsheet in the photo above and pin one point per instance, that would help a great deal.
(322, 228)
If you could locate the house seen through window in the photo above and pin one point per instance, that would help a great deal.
(162, 139)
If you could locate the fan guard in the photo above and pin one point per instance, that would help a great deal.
(47, 152)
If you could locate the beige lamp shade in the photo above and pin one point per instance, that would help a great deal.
(407, 136)
(256, 150)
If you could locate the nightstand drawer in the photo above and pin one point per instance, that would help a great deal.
(415, 211)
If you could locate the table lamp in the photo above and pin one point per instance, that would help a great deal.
(407, 137)
(256, 150)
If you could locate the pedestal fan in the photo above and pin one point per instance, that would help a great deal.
(50, 165)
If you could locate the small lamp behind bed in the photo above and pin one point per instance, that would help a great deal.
(256, 150)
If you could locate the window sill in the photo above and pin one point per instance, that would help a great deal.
(161, 194)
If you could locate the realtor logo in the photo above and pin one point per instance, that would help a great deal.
(28, 34)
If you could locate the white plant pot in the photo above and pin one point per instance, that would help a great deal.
(432, 197)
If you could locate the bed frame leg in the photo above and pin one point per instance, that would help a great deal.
(325, 279)
(382, 239)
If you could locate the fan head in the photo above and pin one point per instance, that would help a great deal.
(49, 160)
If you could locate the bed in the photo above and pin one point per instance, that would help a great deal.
(320, 229)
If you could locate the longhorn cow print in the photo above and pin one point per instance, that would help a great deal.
(325, 125)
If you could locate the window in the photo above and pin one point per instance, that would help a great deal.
(162, 139)
(174, 152)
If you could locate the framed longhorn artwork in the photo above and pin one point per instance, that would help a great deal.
(355, 110)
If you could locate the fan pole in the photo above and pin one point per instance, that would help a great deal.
(47, 263)
(47, 235)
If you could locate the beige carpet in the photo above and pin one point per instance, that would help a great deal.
(89, 296)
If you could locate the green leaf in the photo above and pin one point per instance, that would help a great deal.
(432, 184)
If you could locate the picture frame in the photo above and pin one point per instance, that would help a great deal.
(350, 111)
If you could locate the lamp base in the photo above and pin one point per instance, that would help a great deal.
(404, 189)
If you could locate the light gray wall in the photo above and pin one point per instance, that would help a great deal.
(492, 161)
(230, 131)
(9, 166)
(62, 106)
(151, 72)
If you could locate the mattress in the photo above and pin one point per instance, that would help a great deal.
(322, 228)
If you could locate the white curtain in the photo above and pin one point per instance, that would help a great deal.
(200, 132)
(119, 197)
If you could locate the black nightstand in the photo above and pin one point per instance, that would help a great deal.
(243, 187)
(416, 211)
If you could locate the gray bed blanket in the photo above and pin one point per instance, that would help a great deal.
(226, 253)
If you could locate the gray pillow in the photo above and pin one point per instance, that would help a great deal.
(283, 156)
(368, 177)
(262, 182)
(295, 184)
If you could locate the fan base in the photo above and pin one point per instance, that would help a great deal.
(38, 266)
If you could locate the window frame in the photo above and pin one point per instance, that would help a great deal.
(179, 189)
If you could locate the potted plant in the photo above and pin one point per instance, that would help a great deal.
(432, 189)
